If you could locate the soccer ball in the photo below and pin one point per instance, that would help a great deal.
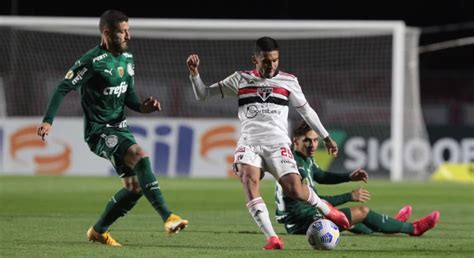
(323, 234)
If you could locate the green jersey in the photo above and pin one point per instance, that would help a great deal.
(106, 85)
(293, 211)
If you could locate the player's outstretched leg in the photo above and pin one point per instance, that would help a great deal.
(274, 243)
(382, 223)
(151, 190)
(426, 223)
(120, 203)
(404, 214)
(336, 216)
(104, 238)
(174, 224)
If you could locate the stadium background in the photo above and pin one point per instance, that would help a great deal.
(446, 78)
(47, 216)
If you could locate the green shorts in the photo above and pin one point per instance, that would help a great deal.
(112, 144)
(298, 224)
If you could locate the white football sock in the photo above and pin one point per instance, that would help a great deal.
(259, 212)
(315, 201)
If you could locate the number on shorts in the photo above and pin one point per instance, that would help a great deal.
(285, 152)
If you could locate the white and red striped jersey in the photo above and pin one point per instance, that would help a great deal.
(263, 105)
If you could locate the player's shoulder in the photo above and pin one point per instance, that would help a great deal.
(128, 56)
(243, 74)
(238, 75)
(91, 56)
(287, 76)
(248, 72)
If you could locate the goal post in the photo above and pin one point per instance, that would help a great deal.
(398, 80)
(361, 77)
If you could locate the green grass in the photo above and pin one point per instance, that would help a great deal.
(49, 216)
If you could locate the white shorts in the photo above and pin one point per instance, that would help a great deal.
(276, 159)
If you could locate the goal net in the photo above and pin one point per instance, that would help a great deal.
(360, 77)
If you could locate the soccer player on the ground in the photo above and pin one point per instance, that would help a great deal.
(104, 76)
(263, 98)
(298, 216)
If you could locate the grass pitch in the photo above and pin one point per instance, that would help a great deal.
(49, 216)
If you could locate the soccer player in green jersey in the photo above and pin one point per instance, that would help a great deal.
(104, 76)
(298, 216)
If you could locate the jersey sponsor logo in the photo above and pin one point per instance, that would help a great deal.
(79, 76)
(116, 90)
(253, 111)
(130, 69)
(98, 58)
(122, 124)
(69, 75)
(264, 92)
(120, 71)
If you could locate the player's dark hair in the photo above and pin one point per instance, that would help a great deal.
(110, 18)
(301, 129)
(265, 44)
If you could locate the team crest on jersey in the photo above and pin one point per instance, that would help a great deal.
(264, 93)
(130, 70)
(111, 140)
(120, 71)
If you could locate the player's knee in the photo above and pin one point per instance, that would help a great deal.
(134, 154)
(134, 188)
(138, 153)
(132, 185)
(246, 179)
(364, 210)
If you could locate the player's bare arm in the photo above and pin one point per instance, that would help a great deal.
(360, 195)
(151, 104)
(43, 130)
(359, 175)
(193, 64)
(331, 146)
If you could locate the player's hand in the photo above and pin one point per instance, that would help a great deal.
(331, 146)
(359, 175)
(151, 104)
(193, 64)
(360, 195)
(43, 130)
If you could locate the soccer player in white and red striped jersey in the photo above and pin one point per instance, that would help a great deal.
(264, 95)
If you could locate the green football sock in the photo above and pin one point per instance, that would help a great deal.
(360, 228)
(385, 224)
(122, 202)
(150, 187)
